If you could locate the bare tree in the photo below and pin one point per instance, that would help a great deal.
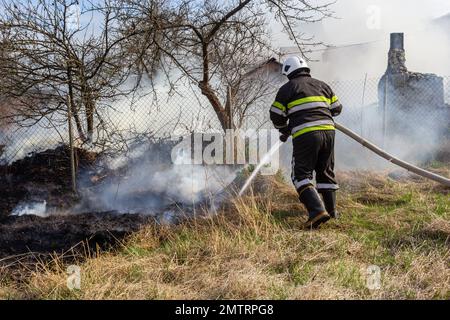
(214, 43)
(58, 49)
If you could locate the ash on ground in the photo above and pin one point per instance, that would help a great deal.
(39, 213)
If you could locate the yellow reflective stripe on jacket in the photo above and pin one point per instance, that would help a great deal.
(312, 99)
(279, 105)
(314, 128)
(307, 100)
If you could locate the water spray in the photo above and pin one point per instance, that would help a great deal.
(263, 161)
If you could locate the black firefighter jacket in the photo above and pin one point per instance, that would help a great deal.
(304, 104)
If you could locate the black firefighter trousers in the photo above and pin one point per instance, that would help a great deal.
(314, 151)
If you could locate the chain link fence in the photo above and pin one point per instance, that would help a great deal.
(386, 121)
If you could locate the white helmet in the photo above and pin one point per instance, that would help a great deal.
(293, 63)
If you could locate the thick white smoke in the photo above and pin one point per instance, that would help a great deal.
(361, 36)
(149, 186)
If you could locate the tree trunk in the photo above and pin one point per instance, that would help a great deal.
(77, 119)
(90, 111)
(220, 111)
(229, 108)
(89, 105)
(73, 108)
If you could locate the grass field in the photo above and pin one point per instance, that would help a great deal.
(254, 249)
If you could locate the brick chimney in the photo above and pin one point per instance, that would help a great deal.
(396, 55)
(408, 90)
(405, 96)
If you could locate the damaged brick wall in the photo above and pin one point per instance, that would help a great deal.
(411, 96)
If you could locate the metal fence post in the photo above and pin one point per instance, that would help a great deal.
(230, 108)
(72, 153)
(362, 105)
(385, 104)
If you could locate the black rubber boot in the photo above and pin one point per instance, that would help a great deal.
(329, 199)
(316, 210)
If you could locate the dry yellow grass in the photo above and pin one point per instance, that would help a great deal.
(254, 249)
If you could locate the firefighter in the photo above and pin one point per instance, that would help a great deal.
(304, 109)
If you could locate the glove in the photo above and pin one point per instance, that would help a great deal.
(284, 137)
(285, 132)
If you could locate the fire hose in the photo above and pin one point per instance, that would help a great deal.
(419, 171)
